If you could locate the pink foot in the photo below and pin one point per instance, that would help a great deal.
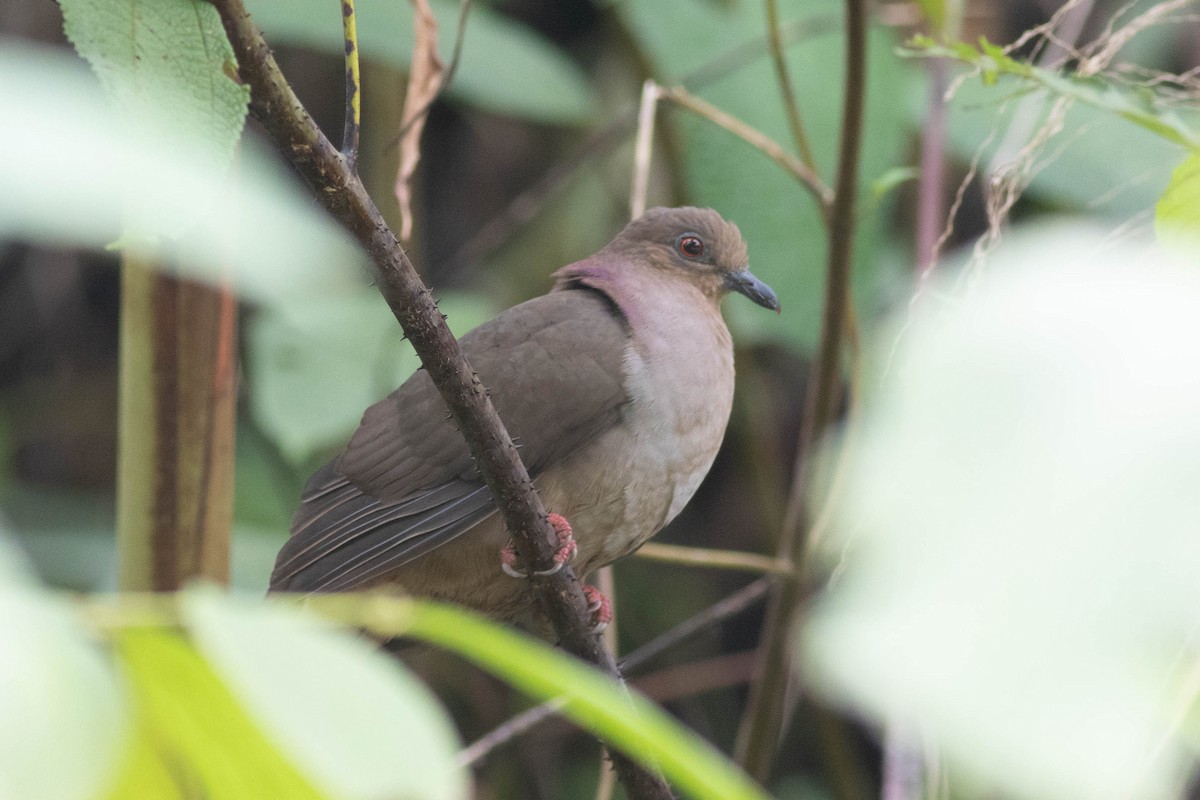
(599, 606)
(566, 550)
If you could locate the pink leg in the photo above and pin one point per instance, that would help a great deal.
(566, 550)
(600, 607)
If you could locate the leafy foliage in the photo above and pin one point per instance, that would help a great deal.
(782, 223)
(1138, 105)
(505, 67)
(1021, 577)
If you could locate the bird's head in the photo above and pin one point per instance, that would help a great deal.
(697, 244)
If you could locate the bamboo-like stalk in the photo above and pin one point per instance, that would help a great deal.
(759, 734)
(175, 460)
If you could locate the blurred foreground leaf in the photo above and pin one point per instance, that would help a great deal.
(1017, 543)
(62, 706)
(192, 725)
(165, 64)
(628, 721)
(1177, 215)
(347, 715)
(68, 163)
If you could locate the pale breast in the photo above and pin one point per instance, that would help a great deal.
(679, 379)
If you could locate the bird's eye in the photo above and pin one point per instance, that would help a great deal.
(690, 246)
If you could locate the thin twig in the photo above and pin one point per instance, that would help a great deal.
(755, 138)
(784, 78)
(643, 149)
(295, 133)
(761, 726)
(715, 614)
(697, 677)
(353, 87)
(464, 10)
(930, 197)
(525, 206)
(714, 559)
(508, 730)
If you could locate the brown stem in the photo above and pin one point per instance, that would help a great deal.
(177, 408)
(931, 212)
(755, 138)
(342, 193)
(784, 78)
(715, 614)
(762, 724)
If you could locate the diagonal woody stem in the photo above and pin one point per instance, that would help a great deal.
(339, 189)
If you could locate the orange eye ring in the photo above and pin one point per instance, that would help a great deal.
(690, 246)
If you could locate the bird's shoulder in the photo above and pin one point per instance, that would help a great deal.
(555, 368)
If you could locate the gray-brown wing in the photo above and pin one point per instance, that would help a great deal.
(406, 484)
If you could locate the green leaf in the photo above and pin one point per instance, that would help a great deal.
(629, 722)
(67, 164)
(890, 180)
(1095, 164)
(346, 714)
(1015, 544)
(778, 219)
(315, 367)
(505, 66)
(166, 64)
(1177, 215)
(944, 16)
(65, 723)
(191, 722)
(1138, 105)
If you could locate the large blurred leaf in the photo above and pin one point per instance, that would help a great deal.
(166, 63)
(779, 220)
(505, 66)
(345, 713)
(1016, 546)
(64, 723)
(315, 367)
(190, 722)
(1177, 214)
(629, 722)
(67, 162)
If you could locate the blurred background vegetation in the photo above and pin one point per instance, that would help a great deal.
(526, 165)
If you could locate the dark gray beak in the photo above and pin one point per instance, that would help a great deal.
(744, 282)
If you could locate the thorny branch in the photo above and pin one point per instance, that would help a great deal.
(286, 120)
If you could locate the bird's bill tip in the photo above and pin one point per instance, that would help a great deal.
(747, 283)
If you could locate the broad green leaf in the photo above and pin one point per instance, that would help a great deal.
(778, 219)
(1016, 543)
(347, 715)
(63, 709)
(146, 772)
(315, 367)
(167, 65)
(67, 162)
(1177, 215)
(505, 66)
(189, 720)
(628, 721)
